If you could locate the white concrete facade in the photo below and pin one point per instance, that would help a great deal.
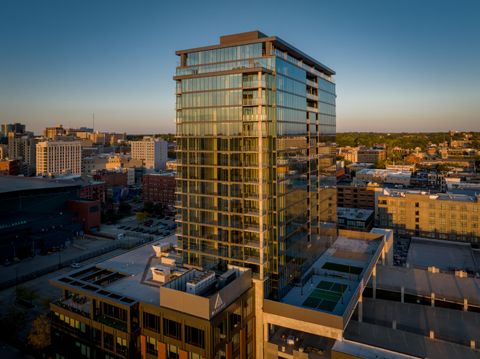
(152, 151)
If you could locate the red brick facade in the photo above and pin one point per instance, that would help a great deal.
(159, 188)
(87, 213)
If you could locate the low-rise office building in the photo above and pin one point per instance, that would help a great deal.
(384, 176)
(371, 155)
(356, 194)
(447, 216)
(37, 215)
(355, 218)
(10, 167)
(348, 153)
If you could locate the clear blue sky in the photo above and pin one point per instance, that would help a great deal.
(410, 65)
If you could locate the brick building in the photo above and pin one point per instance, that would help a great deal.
(87, 213)
(356, 195)
(10, 167)
(94, 190)
(371, 155)
(159, 188)
(112, 179)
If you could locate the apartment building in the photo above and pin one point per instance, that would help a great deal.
(21, 146)
(59, 157)
(152, 151)
(448, 216)
(153, 309)
(159, 188)
(255, 156)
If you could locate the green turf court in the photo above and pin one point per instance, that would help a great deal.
(325, 296)
(342, 268)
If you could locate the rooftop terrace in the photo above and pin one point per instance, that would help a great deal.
(354, 213)
(336, 276)
(125, 279)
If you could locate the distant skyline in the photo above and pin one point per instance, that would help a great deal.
(401, 65)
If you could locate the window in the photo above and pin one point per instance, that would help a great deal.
(121, 345)
(172, 329)
(195, 336)
(84, 349)
(114, 312)
(151, 321)
(108, 341)
(152, 345)
(172, 352)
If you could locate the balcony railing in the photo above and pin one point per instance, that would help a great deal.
(74, 306)
(312, 83)
(113, 322)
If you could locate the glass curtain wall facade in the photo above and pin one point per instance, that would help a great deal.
(256, 158)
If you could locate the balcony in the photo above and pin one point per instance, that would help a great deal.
(113, 322)
(76, 304)
(312, 83)
(254, 84)
(251, 102)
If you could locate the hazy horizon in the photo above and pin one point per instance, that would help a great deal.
(401, 66)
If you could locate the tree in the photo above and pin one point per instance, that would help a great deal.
(380, 164)
(39, 336)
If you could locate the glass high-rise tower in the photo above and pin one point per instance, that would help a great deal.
(256, 157)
